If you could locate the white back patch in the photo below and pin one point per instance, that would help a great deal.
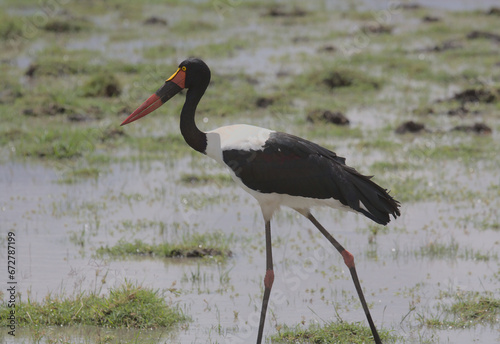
(240, 136)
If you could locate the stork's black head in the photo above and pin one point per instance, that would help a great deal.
(197, 73)
(192, 73)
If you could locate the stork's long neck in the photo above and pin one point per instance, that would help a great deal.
(193, 136)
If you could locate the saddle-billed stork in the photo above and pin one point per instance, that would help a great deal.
(276, 168)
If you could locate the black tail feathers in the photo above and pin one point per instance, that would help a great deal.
(372, 200)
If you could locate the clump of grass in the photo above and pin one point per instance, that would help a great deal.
(47, 109)
(10, 27)
(58, 144)
(201, 179)
(377, 29)
(12, 135)
(129, 306)
(52, 67)
(349, 78)
(475, 308)
(60, 25)
(436, 250)
(392, 166)
(336, 79)
(451, 250)
(74, 175)
(467, 310)
(11, 90)
(282, 11)
(57, 61)
(335, 332)
(194, 246)
(102, 85)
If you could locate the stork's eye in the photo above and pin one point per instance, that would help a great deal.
(183, 68)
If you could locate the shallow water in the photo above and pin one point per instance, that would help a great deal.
(311, 282)
(59, 226)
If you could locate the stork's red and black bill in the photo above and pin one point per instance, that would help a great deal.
(172, 86)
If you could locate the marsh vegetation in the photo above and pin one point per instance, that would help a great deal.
(120, 227)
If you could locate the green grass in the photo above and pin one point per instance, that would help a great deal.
(338, 332)
(452, 250)
(102, 85)
(408, 188)
(63, 142)
(10, 27)
(392, 166)
(57, 145)
(155, 147)
(185, 26)
(379, 143)
(436, 250)
(322, 131)
(202, 179)
(66, 25)
(75, 175)
(57, 61)
(157, 51)
(398, 63)
(335, 79)
(220, 50)
(129, 306)
(469, 150)
(229, 94)
(467, 309)
(391, 75)
(194, 246)
(60, 143)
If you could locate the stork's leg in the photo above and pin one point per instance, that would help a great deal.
(268, 281)
(349, 261)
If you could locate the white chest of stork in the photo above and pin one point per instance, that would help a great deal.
(278, 169)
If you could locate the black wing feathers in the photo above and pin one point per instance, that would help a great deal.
(375, 199)
(291, 165)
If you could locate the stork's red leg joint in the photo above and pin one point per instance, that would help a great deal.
(348, 258)
(269, 279)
